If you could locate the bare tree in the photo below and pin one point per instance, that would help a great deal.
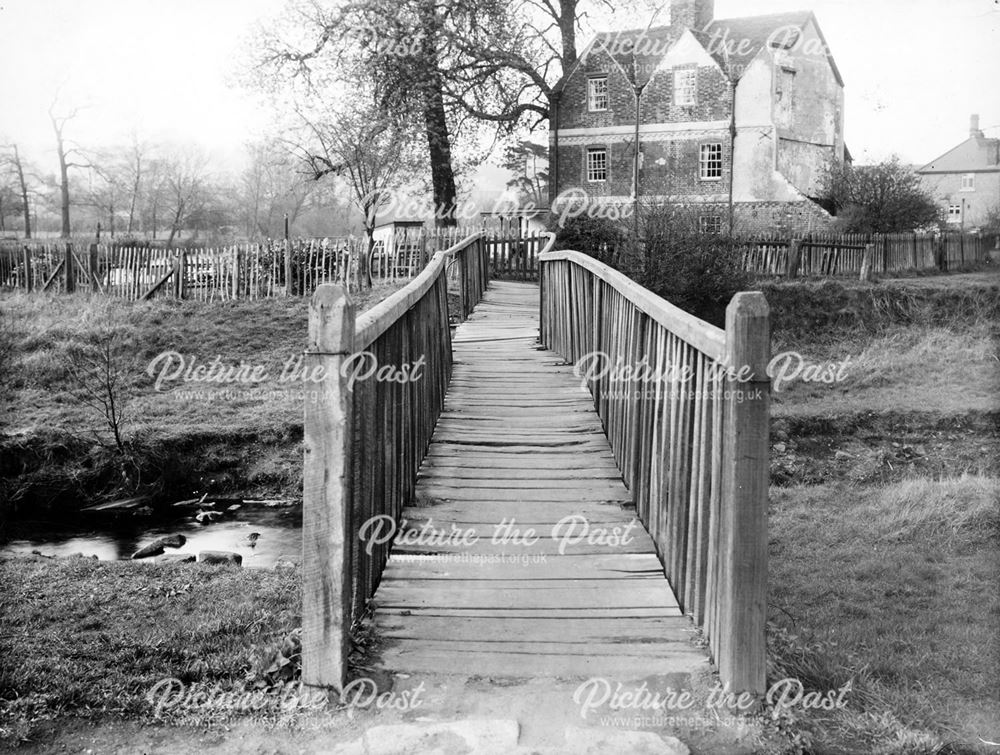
(272, 187)
(184, 180)
(16, 164)
(136, 167)
(66, 150)
(372, 152)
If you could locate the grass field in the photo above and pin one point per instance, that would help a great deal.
(895, 588)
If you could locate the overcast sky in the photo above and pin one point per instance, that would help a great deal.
(914, 70)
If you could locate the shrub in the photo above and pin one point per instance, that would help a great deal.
(695, 270)
(599, 237)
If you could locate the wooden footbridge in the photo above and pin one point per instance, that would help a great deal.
(509, 500)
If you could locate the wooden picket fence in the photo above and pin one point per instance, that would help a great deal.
(822, 255)
(277, 267)
(514, 257)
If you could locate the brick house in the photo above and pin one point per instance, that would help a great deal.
(746, 111)
(966, 179)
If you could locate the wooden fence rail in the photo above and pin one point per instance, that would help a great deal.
(244, 271)
(692, 442)
(841, 255)
(365, 438)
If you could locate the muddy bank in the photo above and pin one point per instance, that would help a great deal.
(56, 473)
(810, 307)
(878, 448)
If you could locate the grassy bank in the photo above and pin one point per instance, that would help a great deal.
(893, 587)
(65, 358)
(71, 645)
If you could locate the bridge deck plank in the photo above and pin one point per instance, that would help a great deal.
(519, 441)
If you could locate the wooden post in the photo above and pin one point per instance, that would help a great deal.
(794, 252)
(68, 270)
(867, 262)
(26, 256)
(180, 272)
(289, 289)
(95, 284)
(326, 502)
(236, 272)
(743, 516)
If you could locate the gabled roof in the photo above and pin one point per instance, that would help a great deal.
(748, 35)
(731, 41)
(975, 153)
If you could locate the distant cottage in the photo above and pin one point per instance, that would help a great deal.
(741, 111)
(966, 179)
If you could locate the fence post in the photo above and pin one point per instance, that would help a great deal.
(794, 251)
(28, 283)
(68, 270)
(95, 285)
(867, 262)
(327, 437)
(180, 271)
(743, 514)
(288, 260)
(236, 272)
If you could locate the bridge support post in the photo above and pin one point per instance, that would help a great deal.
(743, 515)
(326, 546)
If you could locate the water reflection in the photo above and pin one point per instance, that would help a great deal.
(279, 530)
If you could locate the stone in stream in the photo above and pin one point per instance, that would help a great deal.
(172, 541)
(156, 547)
(220, 557)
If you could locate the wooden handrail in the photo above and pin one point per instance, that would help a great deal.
(690, 437)
(707, 338)
(365, 434)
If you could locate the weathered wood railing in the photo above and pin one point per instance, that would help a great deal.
(375, 388)
(690, 438)
(470, 271)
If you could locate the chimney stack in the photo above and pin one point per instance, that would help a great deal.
(974, 131)
(692, 14)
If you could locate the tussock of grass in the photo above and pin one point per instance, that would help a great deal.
(895, 588)
(907, 368)
(964, 508)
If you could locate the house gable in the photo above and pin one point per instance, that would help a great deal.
(972, 155)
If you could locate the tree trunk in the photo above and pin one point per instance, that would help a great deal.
(567, 32)
(63, 178)
(135, 194)
(436, 121)
(24, 194)
(173, 226)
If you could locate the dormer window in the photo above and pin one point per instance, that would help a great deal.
(597, 94)
(969, 182)
(685, 87)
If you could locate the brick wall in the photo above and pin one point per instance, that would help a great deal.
(789, 218)
(713, 97)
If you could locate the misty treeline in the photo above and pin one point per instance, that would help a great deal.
(145, 190)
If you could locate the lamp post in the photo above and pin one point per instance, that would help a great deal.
(635, 163)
